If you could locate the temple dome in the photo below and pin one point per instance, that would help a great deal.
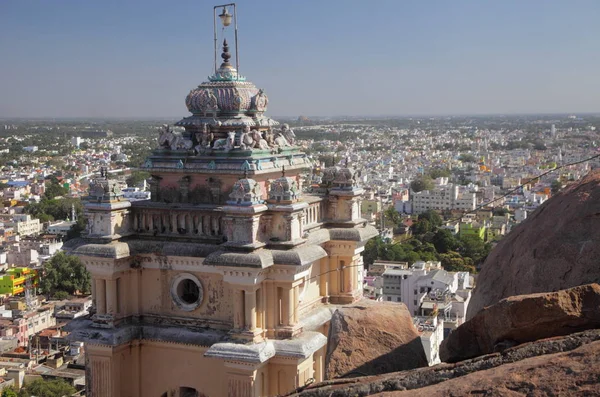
(245, 192)
(283, 190)
(226, 92)
(338, 177)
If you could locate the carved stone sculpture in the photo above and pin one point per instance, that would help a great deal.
(288, 134)
(225, 144)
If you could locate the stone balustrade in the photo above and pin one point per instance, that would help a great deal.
(184, 222)
(313, 214)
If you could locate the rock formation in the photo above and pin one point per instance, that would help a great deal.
(371, 338)
(561, 366)
(524, 318)
(557, 247)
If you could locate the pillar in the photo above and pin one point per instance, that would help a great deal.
(94, 293)
(290, 320)
(349, 276)
(285, 307)
(272, 305)
(238, 309)
(111, 296)
(324, 277)
(296, 304)
(250, 296)
(100, 296)
(318, 367)
(173, 219)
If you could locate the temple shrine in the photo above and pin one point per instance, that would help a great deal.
(224, 282)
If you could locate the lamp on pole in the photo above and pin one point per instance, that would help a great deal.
(226, 18)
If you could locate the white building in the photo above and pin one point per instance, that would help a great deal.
(135, 194)
(443, 197)
(76, 141)
(431, 332)
(22, 224)
(60, 228)
(421, 287)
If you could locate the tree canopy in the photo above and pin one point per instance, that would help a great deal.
(136, 178)
(64, 273)
(54, 189)
(43, 388)
(421, 183)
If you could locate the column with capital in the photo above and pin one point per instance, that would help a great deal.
(296, 316)
(100, 296)
(238, 308)
(250, 300)
(111, 296)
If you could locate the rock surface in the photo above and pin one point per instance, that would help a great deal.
(369, 338)
(524, 318)
(557, 247)
(561, 366)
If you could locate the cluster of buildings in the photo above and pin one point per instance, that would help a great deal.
(487, 164)
(34, 344)
(437, 299)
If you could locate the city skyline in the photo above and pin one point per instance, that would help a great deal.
(137, 60)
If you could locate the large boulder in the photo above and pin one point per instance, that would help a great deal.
(524, 318)
(561, 366)
(369, 338)
(556, 248)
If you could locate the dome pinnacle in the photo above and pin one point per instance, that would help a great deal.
(225, 55)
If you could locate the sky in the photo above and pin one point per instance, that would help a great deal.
(126, 58)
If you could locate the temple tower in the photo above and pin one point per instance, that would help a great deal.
(224, 282)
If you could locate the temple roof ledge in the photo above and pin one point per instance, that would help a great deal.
(301, 346)
(253, 353)
(115, 250)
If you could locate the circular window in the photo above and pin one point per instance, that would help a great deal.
(186, 291)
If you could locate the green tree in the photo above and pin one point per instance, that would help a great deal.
(467, 158)
(392, 216)
(372, 250)
(9, 392)
(421, 183)
(136, 178)
(555, 186)
(500, 211)
(55, 189)
(76, 229)
(61, 295)
(454, 262)
(437, 172)
(444, 241)
(433, 217)
(473, 247)
(64, 273)
(49, 388)
(422, 226)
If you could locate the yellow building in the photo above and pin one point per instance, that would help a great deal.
(14, 281)
(224, 283)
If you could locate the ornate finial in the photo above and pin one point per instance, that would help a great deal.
(346, 161)
(283, 170)
(225, 55)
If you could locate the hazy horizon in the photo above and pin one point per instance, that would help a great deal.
(136, 60)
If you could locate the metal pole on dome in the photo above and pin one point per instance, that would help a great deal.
(226, 21)
(215, 35)
(237, 54)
